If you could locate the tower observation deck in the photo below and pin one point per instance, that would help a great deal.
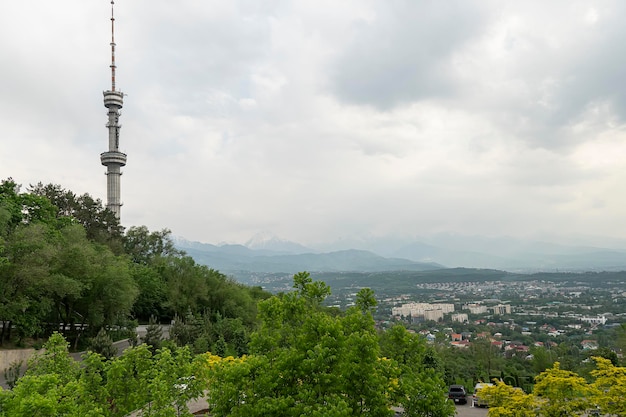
(113, 159)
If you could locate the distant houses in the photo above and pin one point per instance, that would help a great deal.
(600, 319)
(589, 344)
(440, 311)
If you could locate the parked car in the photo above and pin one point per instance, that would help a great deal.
(458, 394)
(477, 401)
(397, 411)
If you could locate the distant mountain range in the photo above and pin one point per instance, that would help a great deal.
(267, 254)
(237, 259)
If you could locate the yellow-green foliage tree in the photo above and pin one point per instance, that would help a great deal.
(507, 401)
(609, 387)
(558, 392)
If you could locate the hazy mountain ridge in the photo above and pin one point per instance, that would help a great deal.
(341, 261)
(516, 257)
(506, 253)
(266, 253)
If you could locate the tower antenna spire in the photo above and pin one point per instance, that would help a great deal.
(113, 159)
(113, 66)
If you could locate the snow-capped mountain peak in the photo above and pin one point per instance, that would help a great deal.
(268, 241)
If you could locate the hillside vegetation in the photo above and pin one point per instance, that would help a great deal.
(67, 265)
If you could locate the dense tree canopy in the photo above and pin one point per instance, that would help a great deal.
(66, 264)
(305, 361)
(101, 225)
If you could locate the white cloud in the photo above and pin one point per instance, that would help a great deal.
(326, 120)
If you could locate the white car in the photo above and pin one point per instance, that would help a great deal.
(476, 400)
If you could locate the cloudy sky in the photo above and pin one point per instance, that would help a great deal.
(325, 120)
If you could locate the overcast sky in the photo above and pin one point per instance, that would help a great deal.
(324, 120)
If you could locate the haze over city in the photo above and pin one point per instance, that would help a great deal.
(325, 121)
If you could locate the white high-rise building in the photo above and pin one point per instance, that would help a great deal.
(434, 315)
(460, 317)
(113, 159)
(501, 309)
(417, 309)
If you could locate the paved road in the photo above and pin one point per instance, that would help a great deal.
(468, 411)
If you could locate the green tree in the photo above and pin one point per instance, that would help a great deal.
(542, 359)
(91, 396)
(49, 386)
(52, 273)
(154, 335)
(487, 358)
(145, 247)
(26, 278)
(230, 334)
(172, 384)
(160, 384)
(620, 337)
(100, 224)
(10, 205)
(25, 208)
(42, 395)
(422, 395)
(172, 284)
(113, 291)
(313, 291)
(128, 380)
(299, 362)
(54, 359)
(72, 274)
(305, 361)
(103, 344)
(55, 385)
(185, 285)
(152, 297)
(91, 287)
(365, 300)
(405, 348)
(606, 353)
(421, 386)
(13, 373)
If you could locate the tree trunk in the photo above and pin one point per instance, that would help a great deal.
(79, 333)
(10, 324)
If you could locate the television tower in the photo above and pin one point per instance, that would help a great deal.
(113, 159)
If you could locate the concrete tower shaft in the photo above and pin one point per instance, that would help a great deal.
(113, 159)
